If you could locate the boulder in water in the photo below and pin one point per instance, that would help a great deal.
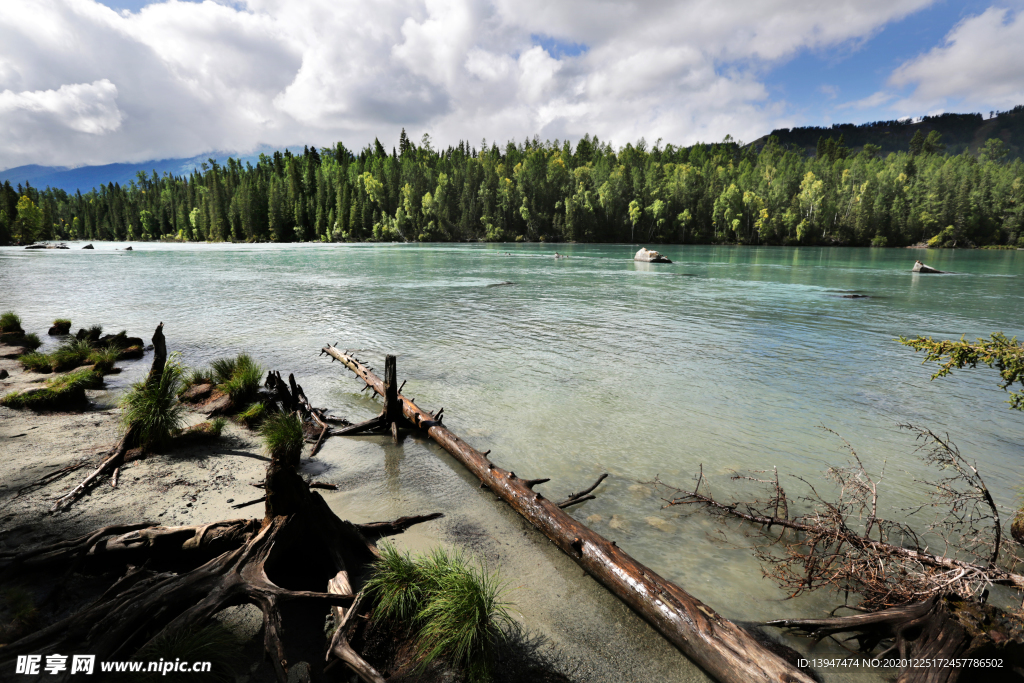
(922, 268)
(650, 256)
(36, 246)
(88, 246)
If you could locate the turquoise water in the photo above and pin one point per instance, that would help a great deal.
(730, 357)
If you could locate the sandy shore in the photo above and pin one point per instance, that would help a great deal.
(577, 623)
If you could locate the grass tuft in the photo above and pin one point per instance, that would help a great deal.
(62, 322)
(223, 368)
(60, 393)
(10, 322)
(283, 437)
(70, 354)
(151, 408)
(35, 361)
(213, 643)
(455, 606)
(244, 382)
(103, 359)
(31, 341)
(254, 414)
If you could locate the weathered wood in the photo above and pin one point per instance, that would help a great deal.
(720, 647)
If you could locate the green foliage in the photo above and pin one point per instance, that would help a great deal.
(213, 643)
(999, 352)
(455, 607)
(30, 340)
(36, 362)
(10, 322)
(62, 321)
(65, 392)
(243, 381)
(254, 414)
(103, 359)
(283, 437)
(548, 191)
(194, 377)
(151, 407)
(29, 225)
(70, 354)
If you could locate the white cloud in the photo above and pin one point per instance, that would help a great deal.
(978, 66)
(84, 84)
(84, 107)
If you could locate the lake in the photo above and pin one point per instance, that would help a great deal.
(730, 358)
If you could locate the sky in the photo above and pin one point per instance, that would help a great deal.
(84, 82)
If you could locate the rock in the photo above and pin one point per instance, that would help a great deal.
(59, 329)
(218, 405)
(36, 246)
(13, 351)
(196, 393)
(650, 256)
(4, 374)
(659, 523)
(119, 341)
(854, 296)
(922, 268)
(126, 249)
(130, 353)
(88, 246)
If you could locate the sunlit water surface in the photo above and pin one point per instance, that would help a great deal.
(731, 357)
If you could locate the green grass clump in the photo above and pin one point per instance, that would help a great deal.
(151, 407)
(454, 606)
(35, 361)
(254, 414)
(31, 340)
(245, 378)
(283, 437)
(103, 359)
(62, 322)
(10, 322)
(71, 354)
(213, 643)
(60, 393)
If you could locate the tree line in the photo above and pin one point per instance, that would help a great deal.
(553, 191)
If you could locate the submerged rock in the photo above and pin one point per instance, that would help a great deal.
(88, 246)
(922, 268)
(650, 256)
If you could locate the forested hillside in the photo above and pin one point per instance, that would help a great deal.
(551, 191)
(956, 131)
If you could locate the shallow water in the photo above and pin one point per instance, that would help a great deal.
(730, 357)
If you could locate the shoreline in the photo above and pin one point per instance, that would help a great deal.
(571, 620)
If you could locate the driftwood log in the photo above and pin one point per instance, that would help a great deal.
(723, 649)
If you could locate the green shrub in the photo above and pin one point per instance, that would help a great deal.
(60, 393)
(283, 437)
(31, 340)
(62, 321)
(36, 362)
(151, 407)
(254, 414)
(455, 607)
(10, 322)
(222, 369)
(880, 241)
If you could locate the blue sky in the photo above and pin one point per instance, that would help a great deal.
(125, 80)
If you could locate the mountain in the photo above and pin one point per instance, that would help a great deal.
(957, 131)
(86, 178)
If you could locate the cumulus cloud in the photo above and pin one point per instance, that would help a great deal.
(81, 83)
(978, 65)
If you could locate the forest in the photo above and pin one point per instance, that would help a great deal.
(723, 193)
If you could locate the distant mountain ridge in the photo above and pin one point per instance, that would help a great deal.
(86, 178)
(957, 131)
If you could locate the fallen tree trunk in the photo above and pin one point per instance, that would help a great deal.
(720, 647)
